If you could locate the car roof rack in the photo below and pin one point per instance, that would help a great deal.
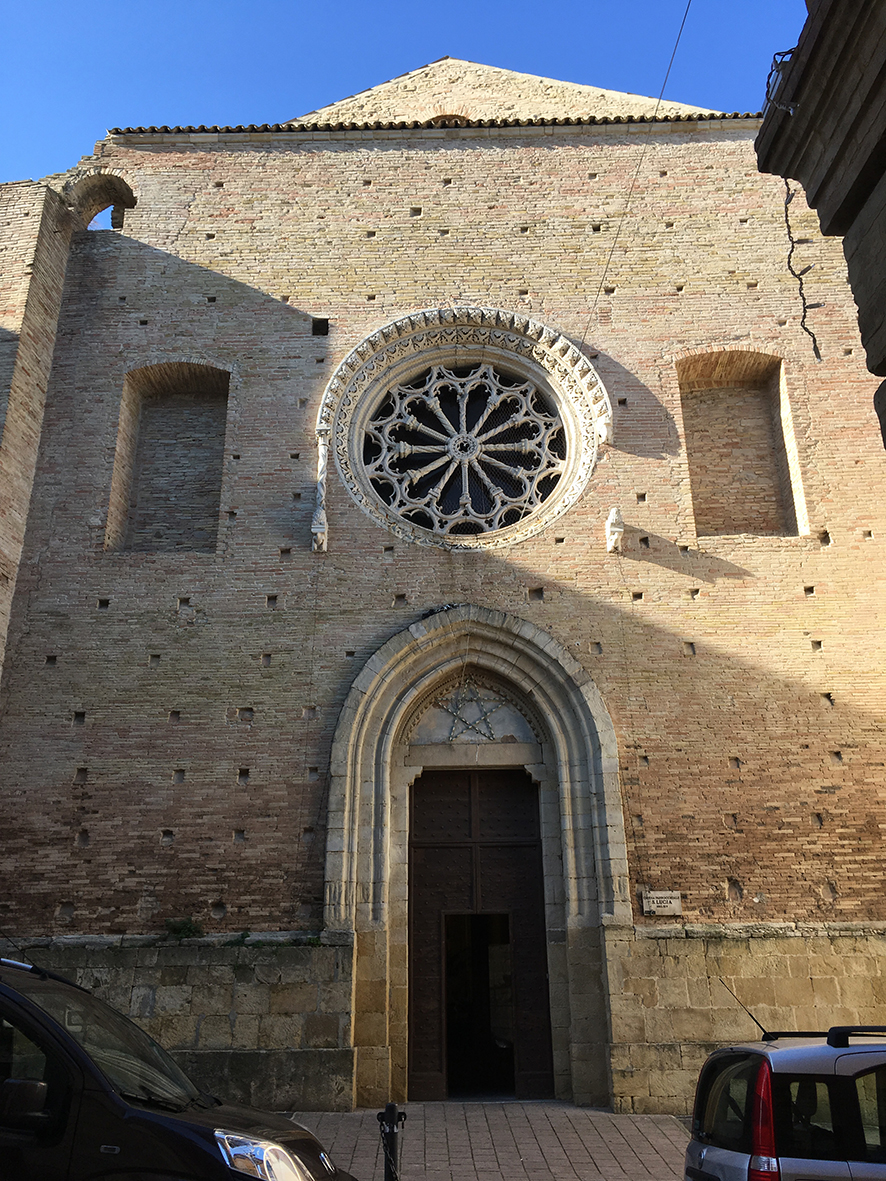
(775, 1034)
(5, 963)
(837, 1036)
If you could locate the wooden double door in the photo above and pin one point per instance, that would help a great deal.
(479, 1016)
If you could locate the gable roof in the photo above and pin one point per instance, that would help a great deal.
(470, 92)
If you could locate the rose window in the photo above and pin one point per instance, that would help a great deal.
(461, 427)
(464, 450)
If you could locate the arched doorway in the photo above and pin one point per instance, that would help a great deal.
(552, 730)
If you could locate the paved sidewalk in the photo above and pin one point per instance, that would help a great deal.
(541, 1141)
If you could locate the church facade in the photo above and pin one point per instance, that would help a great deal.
(441, 556)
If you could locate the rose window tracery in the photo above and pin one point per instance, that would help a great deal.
(464, 449)
(462, 427)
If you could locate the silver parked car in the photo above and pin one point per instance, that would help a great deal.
(793, 1107)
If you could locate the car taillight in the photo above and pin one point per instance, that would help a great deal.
(763, 1165)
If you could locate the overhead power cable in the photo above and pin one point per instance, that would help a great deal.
(633, 185)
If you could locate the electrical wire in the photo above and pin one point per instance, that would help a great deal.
(9, 939)
(639, 843)
(633, 185)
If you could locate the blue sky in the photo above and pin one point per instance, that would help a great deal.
(69, 72)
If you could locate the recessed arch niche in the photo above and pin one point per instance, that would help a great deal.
(386, 738)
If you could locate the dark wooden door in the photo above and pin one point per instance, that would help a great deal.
(475, 850)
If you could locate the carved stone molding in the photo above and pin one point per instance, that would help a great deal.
(461, 337)
(492, 695)
(395, 687)
(373, 762)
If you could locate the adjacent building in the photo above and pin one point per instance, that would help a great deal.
(825, 127)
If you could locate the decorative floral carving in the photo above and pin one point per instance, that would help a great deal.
(319, 522)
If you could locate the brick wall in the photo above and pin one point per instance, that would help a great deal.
(36, 233)
(733, 443)
(737, 745)
(475, 91)
(176, 473)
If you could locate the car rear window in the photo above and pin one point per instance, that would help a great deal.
(807, 1119)
(724, 1100)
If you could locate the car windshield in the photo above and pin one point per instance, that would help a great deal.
(130, 1060)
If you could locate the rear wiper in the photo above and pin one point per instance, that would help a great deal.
(153, 1100)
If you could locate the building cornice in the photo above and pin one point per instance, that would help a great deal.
(437, 127)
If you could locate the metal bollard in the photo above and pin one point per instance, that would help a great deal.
(390, 1120)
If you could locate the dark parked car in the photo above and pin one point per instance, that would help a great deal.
(86, 1095)
(793, 1107)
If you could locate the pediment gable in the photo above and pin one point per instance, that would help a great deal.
(454, 91)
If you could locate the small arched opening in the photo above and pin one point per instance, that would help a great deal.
(100, 199)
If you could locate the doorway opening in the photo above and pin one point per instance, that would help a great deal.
(479, 1014)
(479, 1006)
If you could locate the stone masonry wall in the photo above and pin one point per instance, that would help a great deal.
(267, 1021)
(260, 1021)
(863, 246)
(670, 1009)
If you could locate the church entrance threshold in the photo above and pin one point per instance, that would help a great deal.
(478, 996)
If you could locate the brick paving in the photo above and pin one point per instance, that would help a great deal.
(508, 1142)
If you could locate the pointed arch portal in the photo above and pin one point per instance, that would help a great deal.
(391, 731)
